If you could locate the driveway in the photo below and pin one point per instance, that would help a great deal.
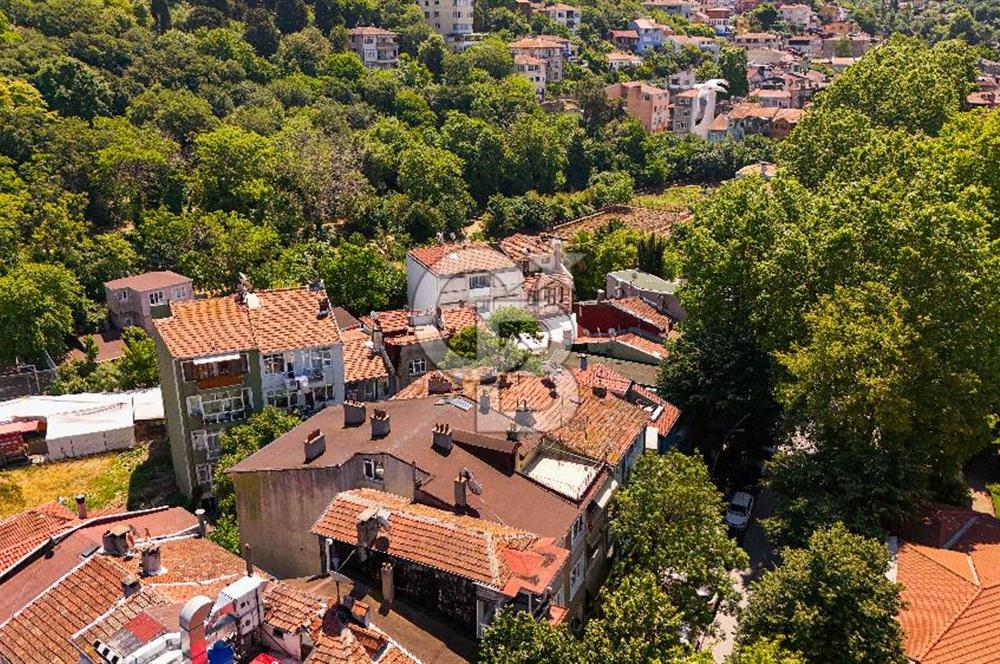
(754, 541)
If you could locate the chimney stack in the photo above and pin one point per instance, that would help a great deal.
(388, 586)
(484, 402)
(442, 437)
(377, 342)
(117, 541)
(130, 585)
(599, 391)
(202, 528)
(381, 425)
(248, 557)
(151, 560)
(324, 307)
(513, 433)
(81, 505)
(354, 413)
(583, 362)
(461, 498)
(314, 445)
(438, 383)
(522, 416)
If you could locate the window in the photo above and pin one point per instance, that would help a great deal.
(226, 405)
(123, 295)
(373, 469)
(156, 298)
(576, 576)
(194, 406)
(180, 292)
(204, 472)
(209, 442)
(274, 363)
(277, 398)
(321, 357)
(418, 366)
(322, 394)
(193, 371)
(127, 321)
(550, 296)
(479, 281)
(579, 527)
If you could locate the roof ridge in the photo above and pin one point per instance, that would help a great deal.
(947, 569)
(951, 623)
(51, 587)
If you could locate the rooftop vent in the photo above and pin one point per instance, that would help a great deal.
(354, 413)
(380, 424)
(314, 445)
(324, 308)
(118, 541)
(81, 505)
(151, 560)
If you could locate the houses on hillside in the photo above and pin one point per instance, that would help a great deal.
(377, 48)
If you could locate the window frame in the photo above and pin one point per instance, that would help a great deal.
(419, 361)
(577, 573)
(373, 469)
(483, 279)
(268, 361)
(156, 298)
(208, 468)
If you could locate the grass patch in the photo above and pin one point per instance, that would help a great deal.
(994, 490)
(679, 198)
(134, 479)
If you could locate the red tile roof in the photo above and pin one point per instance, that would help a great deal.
(602, 428)
(459, 318)
(644, 311)
(360, 361)
(642, 343)
(520, 245)
(336, 644)
(290, 609)
(449, 259)
(286, 319)
(499, 556)
(149, 281)
(24, 532)
(952, 595)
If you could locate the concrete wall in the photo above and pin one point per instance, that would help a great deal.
(175, 414)
(421, 286)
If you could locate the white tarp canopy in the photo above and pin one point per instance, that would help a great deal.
(82, 424)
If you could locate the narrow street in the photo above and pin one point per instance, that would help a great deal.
(755, 543)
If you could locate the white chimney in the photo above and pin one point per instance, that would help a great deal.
(314, 445)
(381, 425)
(202, 527)
(81, 505)
(461, 499)
(354, 413)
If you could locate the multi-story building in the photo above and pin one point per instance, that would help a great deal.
(720, 18)
(618, 60)
(653, 290)
(377, 48)
(136, 300)
(474, 273)
(549, 50)
(648, 104)
(800, 15)
(682, 80)
(772, 98)
(625, 40)
(563, 14)
(221, 359)
(533, 69)
(452, 19)
(682, 112)
(757, 40)
(650, 34)
(678, 7)
(548, 284)
(706, 44)
(540, 455)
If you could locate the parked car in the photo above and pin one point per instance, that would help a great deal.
(739, 510)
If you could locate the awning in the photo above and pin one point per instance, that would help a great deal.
(604, 497)
(211, 359)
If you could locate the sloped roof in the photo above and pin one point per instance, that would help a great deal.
(521, 244)
(642, 310)
(951, 592)
(24, 532)
(360, 361)
(459, 258)
(148, 281)
(499, 556)
(290, 609)
(286, 319)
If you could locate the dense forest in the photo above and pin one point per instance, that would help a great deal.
(220, 137)
(977, 22)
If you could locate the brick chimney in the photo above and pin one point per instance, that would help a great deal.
(442, 437)
(461, 497)
(438, 383)
(81, 505)
(354, 413)
(381, 424)
(130, 585)
(314, 445)
(151, 560)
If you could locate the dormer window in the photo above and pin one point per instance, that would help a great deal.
(479, 281)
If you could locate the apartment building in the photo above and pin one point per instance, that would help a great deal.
(135, 300)
(533, 69)
(377, 48)
(650, 34)
(758, 40)
(551, 51)
(706, 44)
(618, 60)
(720, 18)
(452, 19)
(677, 7)
(648, 104)
(682, 114)
(547, 283)
(474, 273)
(510, 454)
(625, 40)
(800, 15)
(222, 359)
(565, 15)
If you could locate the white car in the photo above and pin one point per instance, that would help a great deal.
(738, 512)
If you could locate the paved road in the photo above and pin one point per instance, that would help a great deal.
(762, 558)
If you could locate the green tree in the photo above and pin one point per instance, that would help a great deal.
(435, 176)
(38, 308)
(733, 68)
(609, 248)
(668, 521)
(515, 637)
(765, 15)
(160, 10)
(234, 171)
(831, 601)
(138, 366)
(361, 279)
(291, 15)
(512, 322)
(765, 651)
(73, 88)
(261, 32)
(180, 114)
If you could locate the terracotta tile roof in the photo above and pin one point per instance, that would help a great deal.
(290, 609)
(40, 632)
(651, 220)
(24, 532)
(391, 320)
(642, 343)
(396, 656)
(369, 30)
(336, 644)
(538, 280)
(603, 376)
(952, 595)
(668, 416)
(499, 556)
(124, 612)
(372, 640)
(360, 361)
(459, 318)
(520, 245)
(286, 319)
(642, 310)
(535, 42)
(624, 34)
(450, 259)
(148, 281)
